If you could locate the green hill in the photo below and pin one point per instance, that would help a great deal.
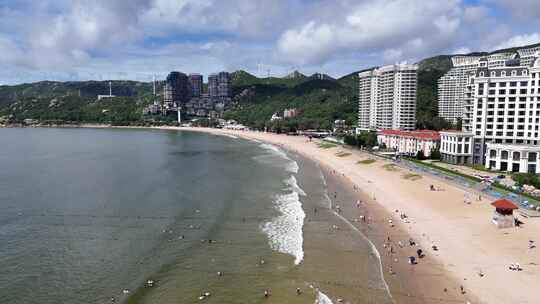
(319, 97)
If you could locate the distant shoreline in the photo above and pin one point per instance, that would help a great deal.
(472, 256)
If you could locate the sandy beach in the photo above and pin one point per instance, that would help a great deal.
(471, 252)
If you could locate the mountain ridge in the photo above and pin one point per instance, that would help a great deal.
(320, 97)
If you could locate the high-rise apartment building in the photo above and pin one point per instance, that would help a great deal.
(387, 98)
(196, 84)
(224, 84)
(213, 85)
(219, 85)
(176, 90)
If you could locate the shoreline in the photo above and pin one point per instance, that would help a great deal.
(403, 286)
(471, 252)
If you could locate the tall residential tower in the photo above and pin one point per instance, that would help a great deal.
(387, 98)
(176, 90)
(196, 84)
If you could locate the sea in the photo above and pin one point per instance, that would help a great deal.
(156, 216)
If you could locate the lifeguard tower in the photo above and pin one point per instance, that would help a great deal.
(503, 217)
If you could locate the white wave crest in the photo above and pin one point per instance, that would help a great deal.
(291, 181)
(322, 298)
(275, 150)
(285, 231)
(230, 136)
(291, 166)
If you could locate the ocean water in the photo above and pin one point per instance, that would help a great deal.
(89, 215)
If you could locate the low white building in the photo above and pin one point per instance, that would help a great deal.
(275, 117)
(456, 147)
(513, 158)
(409, 142)
(290, 113)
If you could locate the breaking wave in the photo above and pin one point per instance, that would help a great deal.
(284, 232)
(291, 165)
(322, 298)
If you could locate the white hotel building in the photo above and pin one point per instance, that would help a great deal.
(451, 86)
(387, 98)
(503, 110)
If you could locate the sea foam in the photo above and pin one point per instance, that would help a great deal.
(322, 298)
(230, 136)
(291, 165)
(285, 231)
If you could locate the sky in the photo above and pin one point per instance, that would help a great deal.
(67, 40)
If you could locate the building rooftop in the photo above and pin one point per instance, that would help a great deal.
(504, 204)
(422, 134)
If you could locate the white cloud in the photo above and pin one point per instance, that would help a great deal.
(386, 24)
(81, 39)
(475, 14)
(519, 40)
(521, 8)
(461, 51)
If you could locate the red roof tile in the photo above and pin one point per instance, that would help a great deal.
(504, 204)
(421, 134)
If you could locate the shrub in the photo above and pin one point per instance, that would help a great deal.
(350, 140)
(527, 179)
(435, 154)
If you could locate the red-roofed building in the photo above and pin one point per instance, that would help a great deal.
(504, 213)
(410, 142)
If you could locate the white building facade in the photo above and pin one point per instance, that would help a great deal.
(409, 142)
(456, 147)
(513, 158)
(387, 98)
(528, 56)
(451, 86)
(504, 107)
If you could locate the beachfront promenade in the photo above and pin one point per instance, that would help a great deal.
(471, 249)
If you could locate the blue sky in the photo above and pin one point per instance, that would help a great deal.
(100, 39)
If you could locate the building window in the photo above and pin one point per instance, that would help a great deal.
(515, 156)
(492, 153)
(504, 155)
(514, 73)
(532, 156)
(481, 74)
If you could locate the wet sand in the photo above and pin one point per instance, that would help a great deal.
(424, 282)
(472, 253)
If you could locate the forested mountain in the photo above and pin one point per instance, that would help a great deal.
(320, 98)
